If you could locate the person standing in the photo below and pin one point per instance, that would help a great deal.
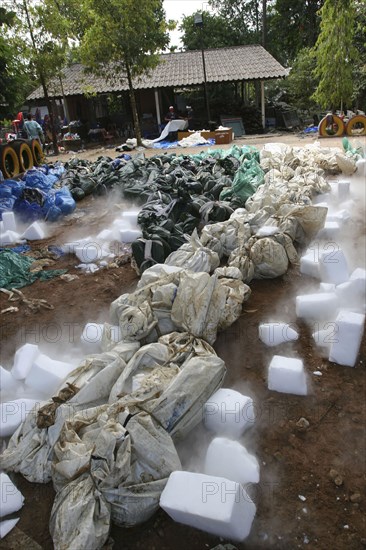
(189, 117)
(171, 115)
(33, 129)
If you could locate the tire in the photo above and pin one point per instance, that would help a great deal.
(322, 128)
(38, 156)
(350, 126)
(9, 162)
(25, 155)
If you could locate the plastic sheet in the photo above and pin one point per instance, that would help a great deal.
(15, 271)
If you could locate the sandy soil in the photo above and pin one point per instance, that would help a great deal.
(258, 140)
(292, 462)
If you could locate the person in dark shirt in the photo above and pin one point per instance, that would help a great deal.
(171, 115)
(189, 117)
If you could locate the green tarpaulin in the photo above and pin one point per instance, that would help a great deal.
(15, 271)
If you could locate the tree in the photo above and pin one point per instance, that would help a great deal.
(42, 35)
(243, 16)
(292, 26)
(335, 54)
(15, 80)
(301, 82)
(359, 89)
(122, 40)
(215, 33)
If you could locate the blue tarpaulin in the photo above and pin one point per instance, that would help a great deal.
(34, 197)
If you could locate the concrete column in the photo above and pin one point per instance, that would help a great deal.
(263, 105)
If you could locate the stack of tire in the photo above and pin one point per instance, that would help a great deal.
(334, 126)
(19, 156)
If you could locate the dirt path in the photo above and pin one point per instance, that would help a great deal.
(292, 462)
(299, 140)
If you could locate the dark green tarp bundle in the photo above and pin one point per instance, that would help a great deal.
(15, 271)
(179, 193)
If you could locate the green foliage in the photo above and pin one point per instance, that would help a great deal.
(359, 87)
(244, 17)
(123, 32)
(14, 76)
(123, 37)
(42, 33)
(301, 82)
(335, 54)
(292, 26)
(216, 33)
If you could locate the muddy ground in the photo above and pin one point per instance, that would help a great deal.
(292, 462)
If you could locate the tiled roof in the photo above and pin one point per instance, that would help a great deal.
(177, 69)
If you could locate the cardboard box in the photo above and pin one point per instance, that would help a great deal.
(220, 136)
(223, 136)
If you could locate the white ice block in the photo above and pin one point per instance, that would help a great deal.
(228, 413)
(327, 287)
(317, 306)
(359, 275)
(343, 189)
(11, 498)
(6, 526)
(333, 266)
(9, 237)
(322, 198)
(9, 221)
(130, 216)
(273, 334)
(23, 360)
(287, 375)
(351, 294)
(229, 459)
(105, 235)
(344, 349)
(34, 232)
(13, 413)
(120, 223)
(309, 265)
(69, 247)
(129, 235)
(7, 381)
(212, 504)
(92, 335)
(361, 167)
(47, 375)
(330, 230)
(341, 216)
(90, 252)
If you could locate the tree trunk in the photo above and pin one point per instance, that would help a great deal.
(43, 81)
(50, 111)
(135, 117)
(264, 23)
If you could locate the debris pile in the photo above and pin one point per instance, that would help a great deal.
(107, 437)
